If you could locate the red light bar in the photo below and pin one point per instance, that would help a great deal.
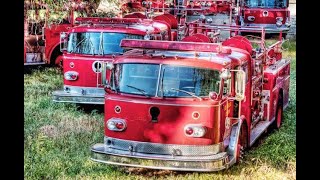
(171, 45)
(109, 20)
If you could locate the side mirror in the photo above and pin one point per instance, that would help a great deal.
(240, 84)
(63, 41)
(109, 65)
(105, 67)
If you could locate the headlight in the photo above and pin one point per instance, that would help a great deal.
(202, 17)
(279, 23)
(115, 124)
(146, 37)
(71, 75)
(251, 18)
(194, 130)
(209, 20)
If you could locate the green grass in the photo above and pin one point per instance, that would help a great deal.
(58, 136)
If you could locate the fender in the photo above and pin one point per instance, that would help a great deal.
(233, 143)
(48, 58)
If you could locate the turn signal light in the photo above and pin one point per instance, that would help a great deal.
(115, 124)
(71, 75)
(194, 130)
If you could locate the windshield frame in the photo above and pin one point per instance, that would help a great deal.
(158, 93)
(73, 46)
(247, 3)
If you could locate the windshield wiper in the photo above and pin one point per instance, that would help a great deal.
(84, 40)
(140, 90)
(77, 45)
(187, 92)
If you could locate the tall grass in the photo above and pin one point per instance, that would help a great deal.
(58, 136)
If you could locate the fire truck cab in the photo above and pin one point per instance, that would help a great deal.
(273, 15)
(95, 41)
(41, 38)
(191, 106)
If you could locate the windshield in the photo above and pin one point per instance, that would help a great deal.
(266, 3)
(140, 79)
(97, 43)
(172, 81)
(194, 80)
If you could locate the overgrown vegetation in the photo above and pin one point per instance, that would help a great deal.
(59, 9)
(57, 137)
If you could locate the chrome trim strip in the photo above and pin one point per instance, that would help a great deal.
(62, 96)
(162, 149)
(269, 27)
(164, 104)
(94, 91)
(35, 63)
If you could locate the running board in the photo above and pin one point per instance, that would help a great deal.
(258, 130)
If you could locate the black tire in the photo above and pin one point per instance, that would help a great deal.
(279, 115)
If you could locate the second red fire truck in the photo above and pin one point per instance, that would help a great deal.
(273, 15)
(95, 41)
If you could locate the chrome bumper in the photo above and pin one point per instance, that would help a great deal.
(79, 95)
(204, 163)
(270, 28)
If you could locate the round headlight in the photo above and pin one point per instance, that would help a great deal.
(209, 20)
(279, 23)
(147, 37)
(202, 17)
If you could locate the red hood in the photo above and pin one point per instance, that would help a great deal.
(174, 115)
(270, 18)
(83, 65)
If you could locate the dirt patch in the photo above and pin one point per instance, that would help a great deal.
(49, 130)
(78, 126)
(67, 127)
(147, 172)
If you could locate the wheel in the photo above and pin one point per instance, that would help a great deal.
(59, 62)
(242, 143)
(284, 35)
(279, 115)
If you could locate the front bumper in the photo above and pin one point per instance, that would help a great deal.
(79, 95)
(203, 162)
(270, 28)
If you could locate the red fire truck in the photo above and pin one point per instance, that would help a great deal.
(191, 106)
(273, 15)
(141, 6)
(41, 39)
(96, 41)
